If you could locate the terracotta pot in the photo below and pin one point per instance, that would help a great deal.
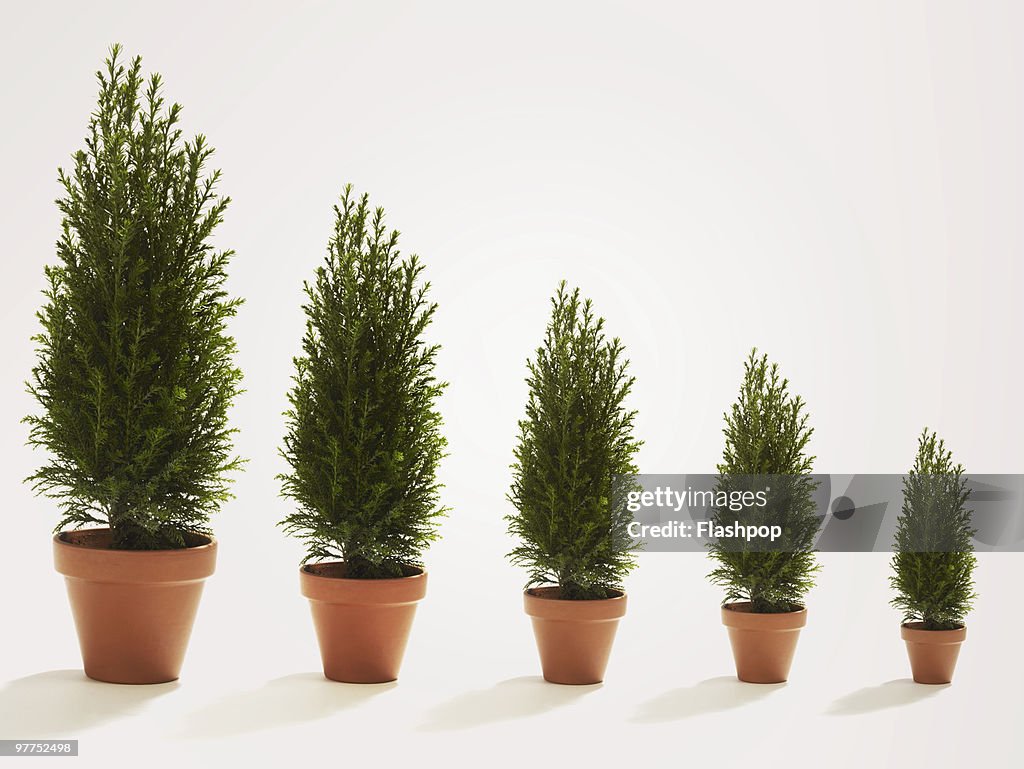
(133, 609)
(362, 625)
(932, 653)
(574, 638)
(762, 644)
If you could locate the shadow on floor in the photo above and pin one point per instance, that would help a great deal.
(60, 704)
(891, 694)
(711, 696)
(509, 700)
(293, 699)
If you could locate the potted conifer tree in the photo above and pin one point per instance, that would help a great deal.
(572, 469)
(363, 445)
(766, 437)
(134, 378)
(933, 561)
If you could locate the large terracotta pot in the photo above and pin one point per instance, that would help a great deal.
(362, 625)
(133, 609)
(574, 638)
(933, 653)
(762, 644)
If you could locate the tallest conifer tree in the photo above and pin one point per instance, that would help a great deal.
(135, 372)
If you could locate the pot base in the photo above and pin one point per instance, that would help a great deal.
(574, 638)
(763, 645)
(933, 653)
(362, 625)
(133, 609)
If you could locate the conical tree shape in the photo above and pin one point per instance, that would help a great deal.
(766, 437)
(933, 560)
(575, 453)
(135, 372)
(364, 441)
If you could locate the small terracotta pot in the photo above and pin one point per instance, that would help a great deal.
(762, 644)
(362, 625)
(932, 653)
(574, 638)
(133, 609)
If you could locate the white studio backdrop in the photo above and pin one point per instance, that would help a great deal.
(839, 184)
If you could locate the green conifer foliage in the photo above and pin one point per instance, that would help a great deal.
(364, 438)
(766, 437)
(933, 556)
(575, 454)
(135, 372)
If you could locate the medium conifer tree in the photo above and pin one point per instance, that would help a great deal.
(364, 439)
(135, 373)
(933, 555)
(766, 437)
(575, 457)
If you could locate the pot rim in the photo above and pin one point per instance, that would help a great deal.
(919, 635)
(535, 593)
(563, 609)
(346, 590)
(737, 618)
(58, 539)
(103, 564)
(733, 606)
(305, 569)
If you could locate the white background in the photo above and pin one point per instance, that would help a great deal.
(839, 184)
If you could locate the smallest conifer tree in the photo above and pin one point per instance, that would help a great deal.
(574, 460)
(933, 559)
(364, 438)
(766, 437)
